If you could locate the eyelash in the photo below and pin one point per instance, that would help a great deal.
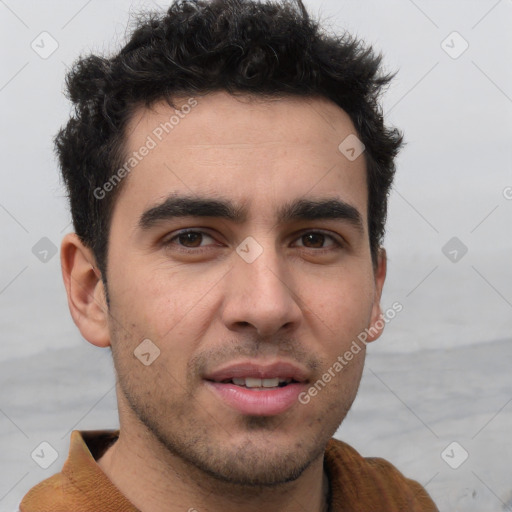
(337, 244)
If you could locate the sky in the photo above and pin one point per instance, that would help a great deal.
(449, 235)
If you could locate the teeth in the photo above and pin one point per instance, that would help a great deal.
(254, 382)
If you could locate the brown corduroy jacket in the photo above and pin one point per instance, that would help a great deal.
(357, 484)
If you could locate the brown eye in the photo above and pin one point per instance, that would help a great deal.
(190, 239)
(313, 240)
(318, 240)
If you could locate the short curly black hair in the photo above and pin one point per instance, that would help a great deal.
(197, 47)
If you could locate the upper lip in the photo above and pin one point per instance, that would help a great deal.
(282, 369)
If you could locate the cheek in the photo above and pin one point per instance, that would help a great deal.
(159, 298)
(174, 308)
(339, 302)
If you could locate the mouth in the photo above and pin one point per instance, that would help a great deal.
(259, 384)
(259, 390)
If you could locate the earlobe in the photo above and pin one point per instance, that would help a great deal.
(85, 291)
(377, 323)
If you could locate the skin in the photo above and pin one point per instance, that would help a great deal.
(303, 300)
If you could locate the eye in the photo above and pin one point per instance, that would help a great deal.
(190, 239)
(318, 240)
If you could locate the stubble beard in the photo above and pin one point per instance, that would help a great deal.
(184, 430)
(252, 462)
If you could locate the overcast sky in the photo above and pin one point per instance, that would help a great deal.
(452, 98)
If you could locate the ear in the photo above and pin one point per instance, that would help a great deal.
(376, 323)
(85, 290)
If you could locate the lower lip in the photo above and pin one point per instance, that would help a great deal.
(256, 402)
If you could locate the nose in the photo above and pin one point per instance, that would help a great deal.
(261, 296)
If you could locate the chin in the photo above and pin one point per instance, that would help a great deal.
(255, 467)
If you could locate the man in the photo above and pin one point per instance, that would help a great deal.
(228, 174)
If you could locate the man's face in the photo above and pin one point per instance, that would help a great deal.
(282, 307)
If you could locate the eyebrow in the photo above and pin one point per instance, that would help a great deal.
(301, 209)
(321, 209)
(191, 206)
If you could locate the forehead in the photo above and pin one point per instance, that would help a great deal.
(223, 111)
(258, 151)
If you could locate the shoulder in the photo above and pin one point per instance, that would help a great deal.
(81, 485)
(47, 493)
(371, 482)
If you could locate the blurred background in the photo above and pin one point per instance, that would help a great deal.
(436, 395)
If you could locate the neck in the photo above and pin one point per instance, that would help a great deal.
(154, 479)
